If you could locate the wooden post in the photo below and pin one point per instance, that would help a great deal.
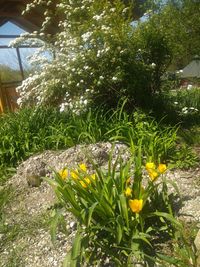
(2, 102)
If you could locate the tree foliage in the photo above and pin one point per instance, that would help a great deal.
(179, 21)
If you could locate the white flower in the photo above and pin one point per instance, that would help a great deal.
(175, 103)
(86, 36)
(114, 78)
(189, 87)
(98, 17)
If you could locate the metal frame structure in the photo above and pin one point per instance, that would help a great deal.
(8, 94)
(17, 51)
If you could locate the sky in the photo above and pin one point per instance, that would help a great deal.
(10, 28)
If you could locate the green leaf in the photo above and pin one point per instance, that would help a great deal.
(168, 259)
(143, 237)
(76, 248)
(68, 261)
(119, 222)
(169, 218)
(91, 210)
(124, 209)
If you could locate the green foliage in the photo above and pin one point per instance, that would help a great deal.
(179, 22)
(179, 107)
(191, 136)
(186, 98)
(9, 75)
(30, 131)
(185, 157)
(114, 223)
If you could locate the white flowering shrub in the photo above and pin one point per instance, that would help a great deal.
(96, 57)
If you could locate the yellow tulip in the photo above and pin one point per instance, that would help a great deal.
(83, 167)
(63, 173)
(162, 168)
(135, 205)
(128, 192)
(93, 176)
(153, 174)
(150, 165)
(84, 185)
(87, 180)
(74, 174)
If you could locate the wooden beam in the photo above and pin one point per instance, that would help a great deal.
(21, 46)
(11, 14)
(8, 36)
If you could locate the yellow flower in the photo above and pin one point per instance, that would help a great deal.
(84, 185)
(162, 168)
(86, 181)
(93, 176)
(63, 173)
(153, 174)
(150, 165)
(83, 167)
(74, 174)
(135, 205)
(128, 192)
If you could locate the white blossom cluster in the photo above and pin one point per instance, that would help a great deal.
(187, 110)
(87, 52)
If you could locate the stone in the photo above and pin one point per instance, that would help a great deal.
(38, 166)
(33, 180)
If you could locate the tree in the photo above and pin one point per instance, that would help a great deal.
(179, 21)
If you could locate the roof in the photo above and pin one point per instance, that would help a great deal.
(192, 70)
(11, 10)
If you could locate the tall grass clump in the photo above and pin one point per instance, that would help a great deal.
(31, 131)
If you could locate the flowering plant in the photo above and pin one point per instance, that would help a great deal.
(96, 55)
(119, 211)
